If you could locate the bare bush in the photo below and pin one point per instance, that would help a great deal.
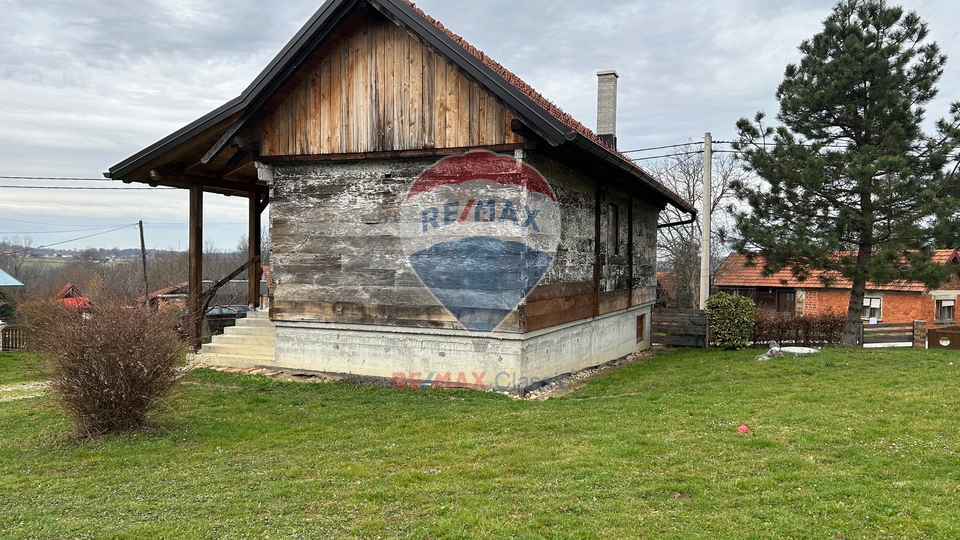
(110, 369)
(804, 330)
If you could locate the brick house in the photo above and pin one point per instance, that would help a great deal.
(897, 301)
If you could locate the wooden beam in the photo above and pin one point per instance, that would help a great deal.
(394, 154)
(195, 248)
(245, 144)
(206, 182)
(596, 250)
(235, 159)
(630, 248)
(253, 244)
(262, 205)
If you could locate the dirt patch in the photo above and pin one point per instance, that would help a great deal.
(22, 391)
(560, 386)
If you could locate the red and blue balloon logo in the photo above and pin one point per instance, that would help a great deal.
(480, 230)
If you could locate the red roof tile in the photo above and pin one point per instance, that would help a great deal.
(735, 272)
(521, 85)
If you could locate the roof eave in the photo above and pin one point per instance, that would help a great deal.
(591, 147)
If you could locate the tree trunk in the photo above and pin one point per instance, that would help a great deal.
(851, 330)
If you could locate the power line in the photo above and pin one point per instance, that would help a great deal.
(56, 178)
(657, 147)
(88, 236)
(668, 155)
(86, 188)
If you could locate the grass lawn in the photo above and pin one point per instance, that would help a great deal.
(844, 444)
(15, 368)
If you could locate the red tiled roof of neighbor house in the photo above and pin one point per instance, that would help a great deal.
(735, 271)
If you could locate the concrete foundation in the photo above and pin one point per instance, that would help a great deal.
(499, 361)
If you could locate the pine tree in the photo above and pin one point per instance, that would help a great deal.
(853, 184)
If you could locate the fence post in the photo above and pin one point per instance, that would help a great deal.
(861, 334)
(920, 334)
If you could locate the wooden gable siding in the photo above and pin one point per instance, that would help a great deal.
(375, 88)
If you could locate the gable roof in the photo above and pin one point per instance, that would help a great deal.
(537, 113)
(736, 271)
(6, 280)
(69, 291)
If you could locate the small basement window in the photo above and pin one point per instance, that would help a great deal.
(945, 312)
(871, 307)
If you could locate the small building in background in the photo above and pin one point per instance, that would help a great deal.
(895, 302)
(71, 296)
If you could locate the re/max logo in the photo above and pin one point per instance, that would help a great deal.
(488, 211)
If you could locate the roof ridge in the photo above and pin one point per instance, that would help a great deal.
(538, 98)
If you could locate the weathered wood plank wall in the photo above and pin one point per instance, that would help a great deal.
(374, 88)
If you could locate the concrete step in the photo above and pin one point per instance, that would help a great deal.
(250, 331)
(258, 322)
(241, 342)
(240, 349)
(252, 342)
(202, 360)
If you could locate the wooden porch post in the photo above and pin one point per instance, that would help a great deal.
(196, 265)
(253, 244)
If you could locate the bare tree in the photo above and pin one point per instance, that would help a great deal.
(679, 246)
(14, 251)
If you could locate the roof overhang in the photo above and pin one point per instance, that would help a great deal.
(194, 155)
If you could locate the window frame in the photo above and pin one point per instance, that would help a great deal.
(868, 308)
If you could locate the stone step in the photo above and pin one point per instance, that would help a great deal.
(250, 331)
(246, 340)
(240, 349)
(203, 360)
(256, 322)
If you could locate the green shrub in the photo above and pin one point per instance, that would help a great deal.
(730, 319)
(110, 369)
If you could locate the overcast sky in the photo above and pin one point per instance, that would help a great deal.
(86, 83)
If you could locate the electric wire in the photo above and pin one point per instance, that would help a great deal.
(88, 236)
(86, 188)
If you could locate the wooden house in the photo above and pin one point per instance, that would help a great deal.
(430, 211)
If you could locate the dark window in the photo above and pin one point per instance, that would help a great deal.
(613, 229)
(945, 313)
(787, 302)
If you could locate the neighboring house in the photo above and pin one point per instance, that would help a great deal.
(174, 296)
(431, 212)
(898, 301)
(6, 282)
(71, 296)
(233, 292)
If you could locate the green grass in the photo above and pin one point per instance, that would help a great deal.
(845, 444)
(17, 368)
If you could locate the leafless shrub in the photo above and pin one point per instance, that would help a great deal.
(803, 330)
(110, 369)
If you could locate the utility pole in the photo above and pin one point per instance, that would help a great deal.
(143, 258)
(705, 220)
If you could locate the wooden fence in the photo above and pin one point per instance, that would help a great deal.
(679, 327)
(889, 334)
(12, 338)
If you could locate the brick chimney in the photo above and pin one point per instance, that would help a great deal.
(607, 106)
